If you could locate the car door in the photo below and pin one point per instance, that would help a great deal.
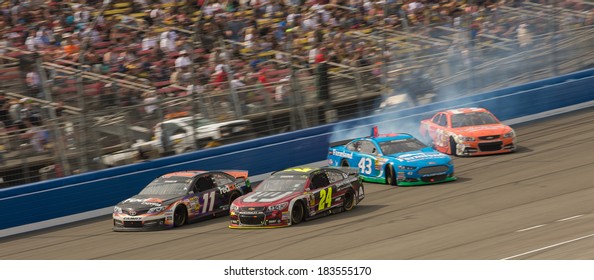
(367, 158)
(437, 130)
(205, 192)
(433, 126)
(224, 185)
(322, 191)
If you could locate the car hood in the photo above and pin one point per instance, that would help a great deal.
(482, 130)
(421, 157)
(145, 202)
(259, 199)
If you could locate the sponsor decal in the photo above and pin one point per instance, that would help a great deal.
(250, 213)
(155, 202)
(420, 156)
(312, 199)
(286, 216)
(433, 174)
(342, 154)
(132, 218)
(380, 161)
(226, 189)
(266, 196)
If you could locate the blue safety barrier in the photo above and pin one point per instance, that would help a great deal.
(62, 197)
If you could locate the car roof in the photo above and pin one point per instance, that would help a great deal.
(187, 173)
(299, 170)
(465, 111)
(388, 137)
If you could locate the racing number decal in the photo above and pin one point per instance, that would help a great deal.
(325, 199)
(207, 204)
(365, 165)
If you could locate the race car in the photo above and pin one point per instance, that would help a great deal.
(290, 196)
(177, 198)
(398, 159)
(468, 132)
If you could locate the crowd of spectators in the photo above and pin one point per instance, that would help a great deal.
(213, 45)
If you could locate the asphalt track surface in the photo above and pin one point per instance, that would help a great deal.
(536, 203)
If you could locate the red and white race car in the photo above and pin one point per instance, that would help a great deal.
(468, 132)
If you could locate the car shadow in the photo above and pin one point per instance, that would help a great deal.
(359, 210)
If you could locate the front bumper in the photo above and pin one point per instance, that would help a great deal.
(126, 223)
(480, 148)
(275, 219)
(425, 181)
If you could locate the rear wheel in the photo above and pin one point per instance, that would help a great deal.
(344, 163)
(233, 197)
(180, 216)
(391, 176)
(453, 149)
(349, 201)
(297, 213)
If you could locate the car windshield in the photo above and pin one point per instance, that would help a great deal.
(472, 119)
(283, 183)
(401, 146)
(168, 186)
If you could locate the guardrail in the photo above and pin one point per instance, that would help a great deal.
(24, 207)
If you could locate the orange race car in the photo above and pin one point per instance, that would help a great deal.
(468, 132)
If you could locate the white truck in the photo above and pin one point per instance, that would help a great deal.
(178, 136)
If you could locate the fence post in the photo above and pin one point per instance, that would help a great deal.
(58, 150)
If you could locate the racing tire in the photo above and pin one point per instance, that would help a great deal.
(349, 201)
(297, 213)
(180, 216)
(233, 197)
(344, 163)
(453, 144)
(391, 176)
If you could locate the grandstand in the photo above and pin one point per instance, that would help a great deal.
(103, 59)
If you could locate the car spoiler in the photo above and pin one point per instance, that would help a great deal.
(237, 173)
(340, 143)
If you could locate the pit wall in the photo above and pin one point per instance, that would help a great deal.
(59, 201)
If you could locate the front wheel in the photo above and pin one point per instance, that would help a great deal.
(297, 213)
(453, 149)
(344, 163)
(180, 216)
(391, 176)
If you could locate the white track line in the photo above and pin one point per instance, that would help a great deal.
(548, 247)
(531, 228)
(570, 218)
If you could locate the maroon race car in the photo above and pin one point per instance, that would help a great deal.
(287, 197)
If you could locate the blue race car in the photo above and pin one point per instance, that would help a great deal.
(397, 159)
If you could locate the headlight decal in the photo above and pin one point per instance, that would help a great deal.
(156, 210)
(277, 207)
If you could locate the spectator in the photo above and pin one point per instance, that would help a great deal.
(33, 83)
(4, 107)
(37, 135)
(182, 60)
(524, 36)
(151, 107)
